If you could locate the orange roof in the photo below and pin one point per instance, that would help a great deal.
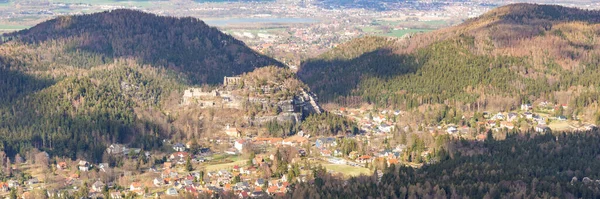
(295, 139)
(257, 189)
(505, 123)
(365, 157)
(393, 161)
(272, 189)
(136, 184)
(227, 186)
(481, 136)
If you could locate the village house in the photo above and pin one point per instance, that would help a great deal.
(452, 130)
(260, 182)
(191, 189)
(243, 195)
(231, 151)
(491, 123)
(241, 186)
(294, 141)
(511, 117)
(539, 119)
(116, 195)
(32, 181)
(232, 132)
(528, 115)
(61, 165)
(526, 107)
(541, 128)
(498, 116)
(325, 142)
(98, 186)
(364, 159)
(179, 157)
(136, 187)
(167, 165)
(506, 124)
(74, 176)
(246, 171)
(103, 167)
(239, 144)
(392, 161)
(115, 149)
(4, 186)
(325, 153)
(13, 184)
(158, 181)
(198, 159)
(179, 147)
(83, 165)
(379, 119)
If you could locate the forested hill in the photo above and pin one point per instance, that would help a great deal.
(75, 84)
(186, 45)
(513, 54)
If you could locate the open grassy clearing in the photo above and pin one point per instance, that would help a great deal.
(347, 170)
(400, 33)
(216, 167)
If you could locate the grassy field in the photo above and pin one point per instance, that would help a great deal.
(138, 3)
(559, 126)
(347, 170)
(6, 4)
(216, 167)
(411, 23)
(435, 22)
(12, 27)
(400, 33)
(370, 29)
(5, 28)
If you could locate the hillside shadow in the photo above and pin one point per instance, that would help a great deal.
(31, 118)
(344, 76)
(15, 85)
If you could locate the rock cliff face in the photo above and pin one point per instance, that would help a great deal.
(264, 99)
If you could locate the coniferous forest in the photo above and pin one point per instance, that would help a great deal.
(515, 54)
(524, 165)
(74, 84)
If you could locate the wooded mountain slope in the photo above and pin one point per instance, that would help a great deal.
(186, 45)
(513, 54)
(521, 166)
(72, 85)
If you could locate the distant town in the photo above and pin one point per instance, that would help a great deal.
(290, 31)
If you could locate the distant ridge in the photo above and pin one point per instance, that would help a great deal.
(187, 45)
